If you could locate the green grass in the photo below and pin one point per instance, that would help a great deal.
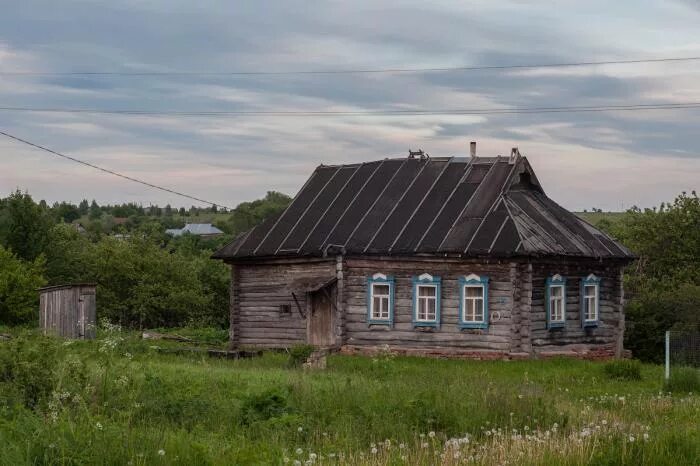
(118, 400)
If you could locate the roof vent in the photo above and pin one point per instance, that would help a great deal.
(472, 148)
(413, 153)
(514, 155)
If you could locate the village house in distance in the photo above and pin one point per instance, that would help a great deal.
(461, 256)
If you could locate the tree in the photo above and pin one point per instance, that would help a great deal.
(95, 211)
(66, 211)
(248, 214)
(24, 226)
(663, 287)
(84, 207)
(19, 281)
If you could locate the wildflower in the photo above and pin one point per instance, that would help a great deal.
(285, 460)
(374, 450)
(402, 445)
(297, 463)
(646, 436)
(299, 451)
(424, 445)
(604, 422)
(300, 429)
(431, 434)
(98, 426)
(161, 452)
(51, 445)
(313, 456)
(631, 438)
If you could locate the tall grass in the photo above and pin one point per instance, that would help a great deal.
(118, 401)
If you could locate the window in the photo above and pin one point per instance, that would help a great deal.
(426, 301)
(473, 312)
(380, 299)
(590, 296)
(556, 301)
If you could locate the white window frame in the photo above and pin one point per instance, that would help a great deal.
(466, 298)
(383, 314)
(424, 300)
(554, 282)
(375, 316)
(591, 299)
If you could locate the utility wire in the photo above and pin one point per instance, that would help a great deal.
(313, 113)
(111, 172)
(350, 71)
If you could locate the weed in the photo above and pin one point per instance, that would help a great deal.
(623, 369)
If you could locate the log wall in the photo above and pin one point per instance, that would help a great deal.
(517, 325)
(448, 337)
(258, 291)
(601, 340)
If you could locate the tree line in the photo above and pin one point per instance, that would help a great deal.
(148, 279)
(145, 278)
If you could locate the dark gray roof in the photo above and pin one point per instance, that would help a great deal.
(464, 207)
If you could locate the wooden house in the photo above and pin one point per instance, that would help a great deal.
(68, 310)
(458, 256)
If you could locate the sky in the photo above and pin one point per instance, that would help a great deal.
(610, 160)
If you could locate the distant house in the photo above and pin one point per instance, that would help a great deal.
(452, 256)
(204, 230)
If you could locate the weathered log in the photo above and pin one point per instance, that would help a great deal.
(164, 336)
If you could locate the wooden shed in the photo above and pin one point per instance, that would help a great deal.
(68, 310)
(458, 256)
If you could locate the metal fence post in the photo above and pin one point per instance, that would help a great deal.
(667, 373)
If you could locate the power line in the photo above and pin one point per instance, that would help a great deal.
(111, 172)
(418, 112)
(350, 71)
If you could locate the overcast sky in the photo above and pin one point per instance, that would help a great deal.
(607, 160)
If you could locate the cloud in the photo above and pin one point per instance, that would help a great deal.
(238, 158)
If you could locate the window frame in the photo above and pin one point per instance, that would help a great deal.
(474, 281)
(379, 279)
(590, 280)
(426, 280)
(555, 281)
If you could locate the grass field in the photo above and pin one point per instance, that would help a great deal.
(119, 400)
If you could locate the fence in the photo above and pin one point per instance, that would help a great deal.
(682, 349)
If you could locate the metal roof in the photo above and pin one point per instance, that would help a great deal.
(464, 207)
(195, 229)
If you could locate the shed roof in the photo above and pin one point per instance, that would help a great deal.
(464, 207)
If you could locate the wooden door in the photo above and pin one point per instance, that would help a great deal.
(86, 315)
(320, 324)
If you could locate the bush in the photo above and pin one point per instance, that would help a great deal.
(28, 368)
(18, 283)
(298, 354)
(623, 369)
(684, 380)
(269, 404)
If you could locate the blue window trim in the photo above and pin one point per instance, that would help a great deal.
(474, 280)
(555, 280)
(426, 279)
(386, 280)
(590, 280)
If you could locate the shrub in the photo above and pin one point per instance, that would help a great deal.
(684, 380)
(269, 404)
(19, 280)
(29, 369)
(298, 354)
(623, 369)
